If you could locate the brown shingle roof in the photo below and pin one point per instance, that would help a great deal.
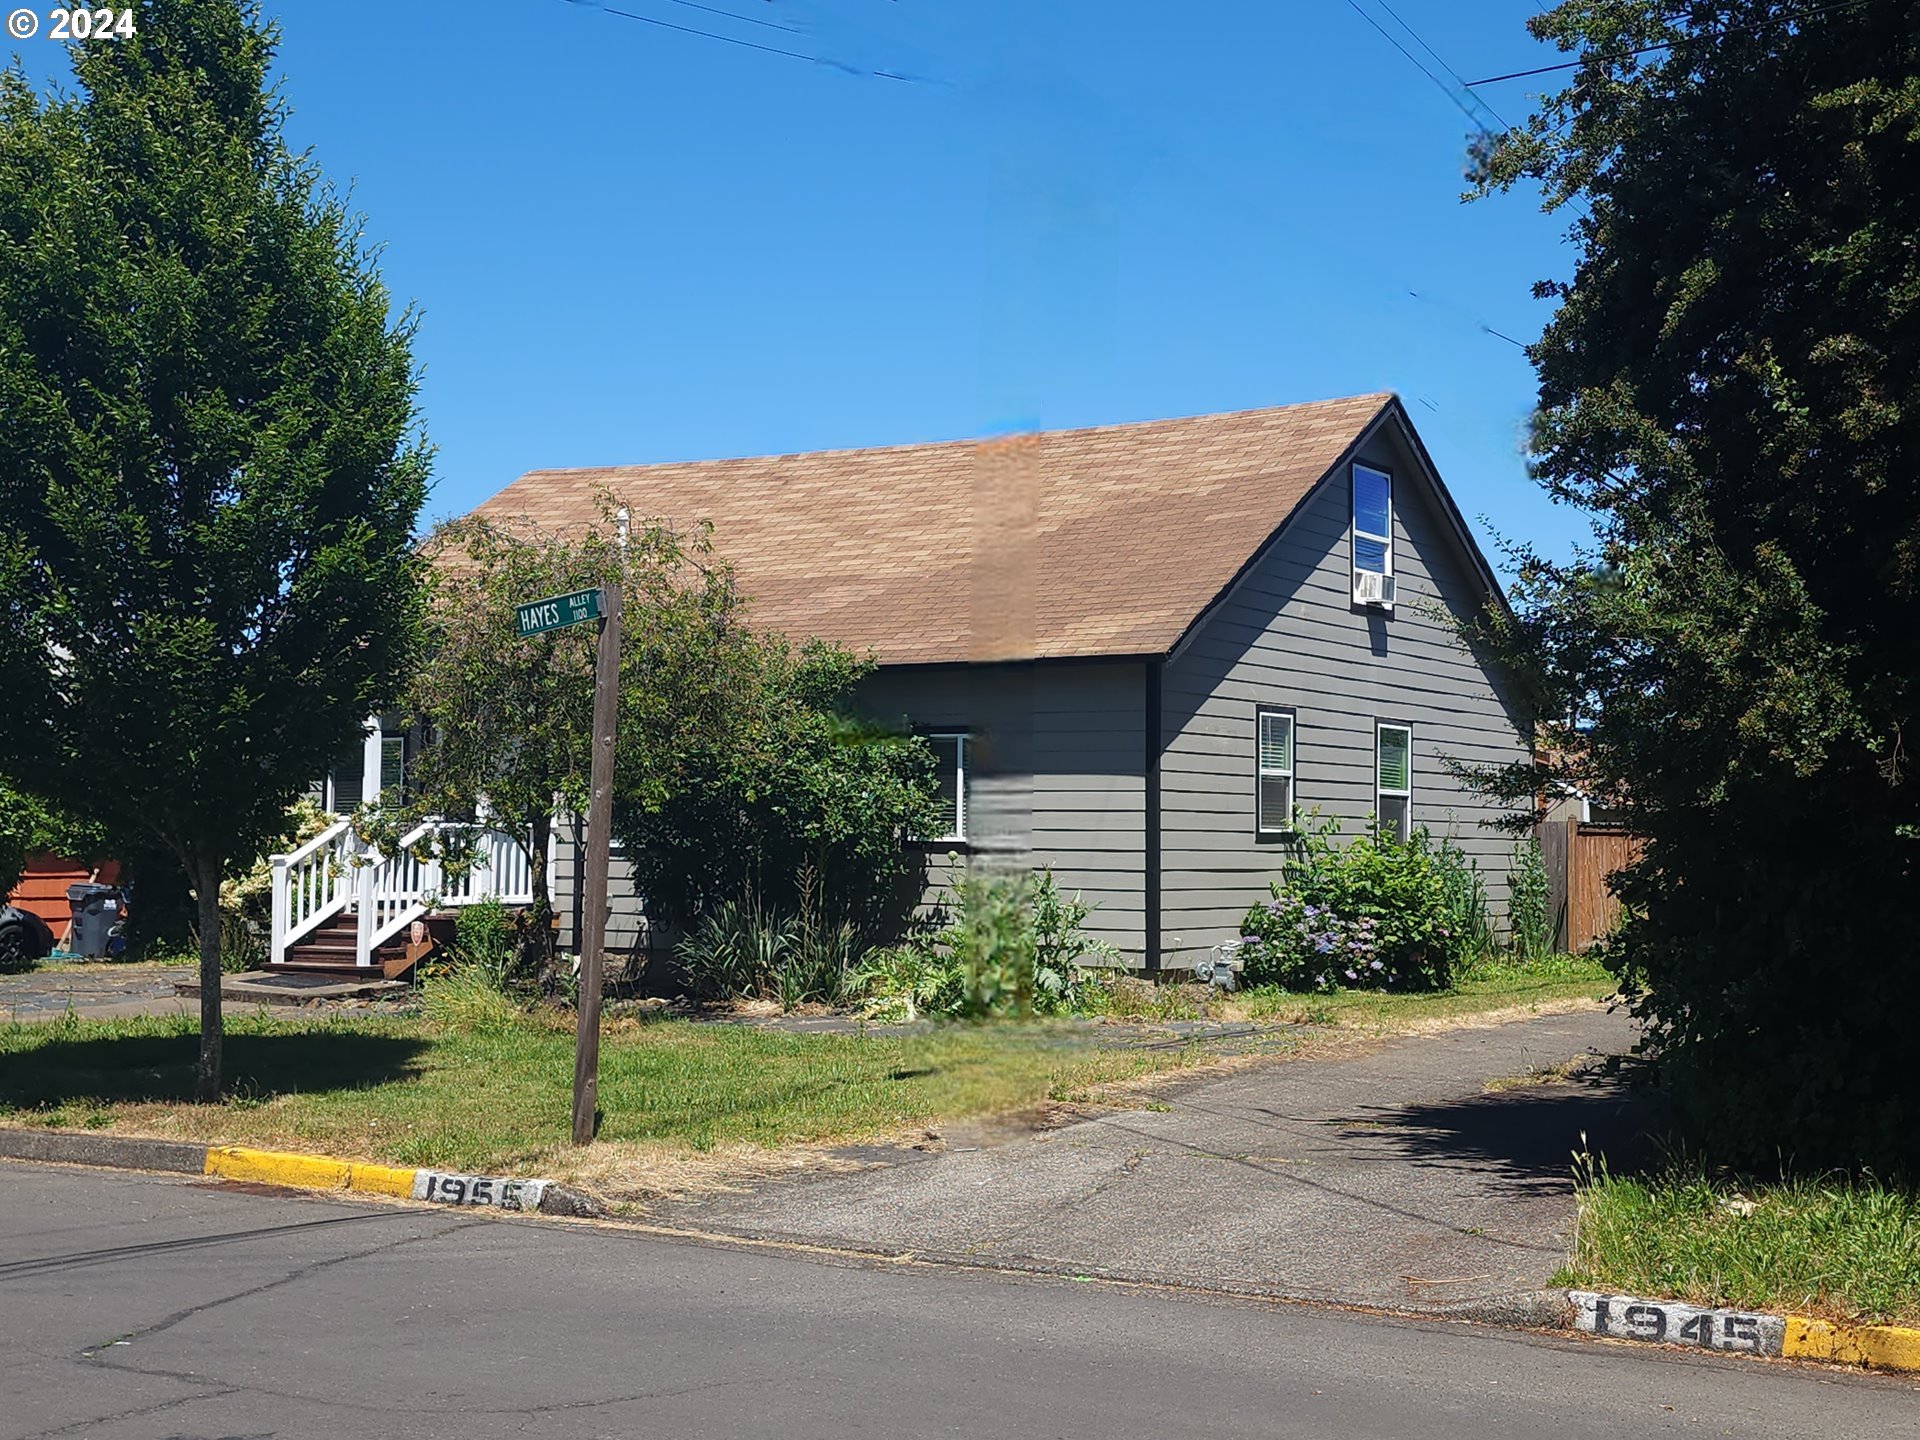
(1107, 541)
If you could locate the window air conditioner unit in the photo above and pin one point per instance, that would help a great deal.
(1370, 588)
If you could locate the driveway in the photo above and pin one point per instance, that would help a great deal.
(1423, 1175)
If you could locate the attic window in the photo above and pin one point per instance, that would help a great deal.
(1372, 527)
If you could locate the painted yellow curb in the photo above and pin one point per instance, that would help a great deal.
(1881, 1347)
(310, 1172)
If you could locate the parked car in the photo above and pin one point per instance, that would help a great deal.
(24, 938)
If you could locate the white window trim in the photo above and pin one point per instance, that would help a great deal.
(1380, 790)
(1262, 772)
(959, 834)
(1355, 533)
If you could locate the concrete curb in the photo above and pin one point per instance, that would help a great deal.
(68, 1148)
(301, 1172)
(1791, 1337)
(1524, 1310)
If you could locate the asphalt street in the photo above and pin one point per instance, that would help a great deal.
(165, 1308)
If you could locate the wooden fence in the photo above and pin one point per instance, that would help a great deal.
(1579, 859)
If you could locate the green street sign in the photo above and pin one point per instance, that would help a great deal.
(538, 616)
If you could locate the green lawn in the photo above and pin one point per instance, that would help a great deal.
(1501, 986)
(1558, 981)
(1834, 1247)
(495, 1096)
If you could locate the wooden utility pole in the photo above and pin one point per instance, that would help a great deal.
(593, 922)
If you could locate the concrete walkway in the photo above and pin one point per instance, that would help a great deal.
(108, 991)
(94, 992)
(1423, 1175)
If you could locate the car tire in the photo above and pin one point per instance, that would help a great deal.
(16, 945)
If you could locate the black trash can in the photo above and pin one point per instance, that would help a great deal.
(96, 910)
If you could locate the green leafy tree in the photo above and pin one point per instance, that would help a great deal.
(209, 465)
(509, 720)
(1730, 388)
(740, 771)
(30, 826)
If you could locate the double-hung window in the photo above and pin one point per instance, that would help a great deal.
(1393, 779)
(1273, 770)
(1372, 535)
(393, 763)
(950, 765)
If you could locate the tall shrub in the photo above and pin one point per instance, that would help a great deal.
(786, 789)
(1013, 946)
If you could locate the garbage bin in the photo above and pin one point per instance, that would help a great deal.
(96, 910)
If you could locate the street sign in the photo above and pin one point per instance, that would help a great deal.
(538, 616)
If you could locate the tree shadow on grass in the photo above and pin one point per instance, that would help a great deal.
(1526, 1139)
(116, 1069)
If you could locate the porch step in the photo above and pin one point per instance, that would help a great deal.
(387, 964)
(329, 949)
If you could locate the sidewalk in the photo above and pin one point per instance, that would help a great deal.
(1398, 1178)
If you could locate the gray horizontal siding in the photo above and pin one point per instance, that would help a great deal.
(1056, 766)
(627, 930)
(1289, 636)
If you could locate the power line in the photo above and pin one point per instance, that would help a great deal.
(1570, 65)
(715, 35)
(743, 19)
(1465, 108)
(826, 60)
(1439, 84)
(1666, 44)
(1457, 79)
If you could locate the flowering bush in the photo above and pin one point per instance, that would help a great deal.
(1376, 913)
(1302, 947)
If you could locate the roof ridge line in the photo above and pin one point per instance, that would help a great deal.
(1380, 397)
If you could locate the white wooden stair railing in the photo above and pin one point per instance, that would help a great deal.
(335, 871)
(311, 885)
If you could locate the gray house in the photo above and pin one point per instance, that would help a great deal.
(1140, 650)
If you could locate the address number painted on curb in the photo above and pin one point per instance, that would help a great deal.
(447, 1189)
(1667, 1322)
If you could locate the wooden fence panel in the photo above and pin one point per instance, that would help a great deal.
(1593, 853)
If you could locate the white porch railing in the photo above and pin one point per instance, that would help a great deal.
(311, 885)
(335, 873)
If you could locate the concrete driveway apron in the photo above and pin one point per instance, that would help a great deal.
(1423, 1175)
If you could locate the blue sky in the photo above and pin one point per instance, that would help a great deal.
(629, 243)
